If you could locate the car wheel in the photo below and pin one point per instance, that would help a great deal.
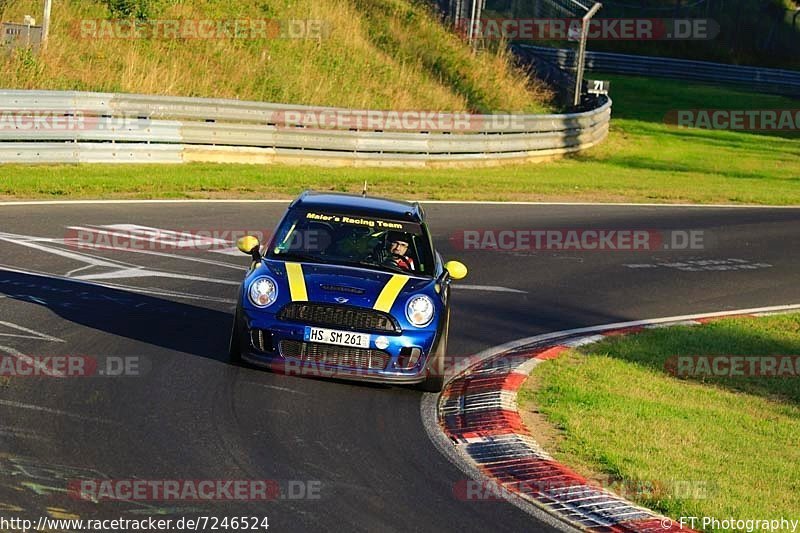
(434, 380)
(235, 347)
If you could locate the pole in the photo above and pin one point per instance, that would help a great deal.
(582, 52)
(48, 4)
(471, 21)
(477, 24)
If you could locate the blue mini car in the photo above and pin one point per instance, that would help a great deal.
(348, 287)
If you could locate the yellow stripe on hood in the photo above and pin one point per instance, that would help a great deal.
(297, 282)
(390, 293)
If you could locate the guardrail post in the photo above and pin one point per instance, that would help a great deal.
(582, 51)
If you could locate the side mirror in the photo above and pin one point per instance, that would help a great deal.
(249, 245)
(456, 269)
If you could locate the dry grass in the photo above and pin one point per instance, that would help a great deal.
(377, 54)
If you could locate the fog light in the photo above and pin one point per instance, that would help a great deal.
(261, 340)
(409, 357)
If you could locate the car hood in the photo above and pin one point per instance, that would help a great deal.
(346, 285)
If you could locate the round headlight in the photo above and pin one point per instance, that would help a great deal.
(419, 311)
(263, 292)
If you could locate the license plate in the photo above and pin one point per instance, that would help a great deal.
(339, 338)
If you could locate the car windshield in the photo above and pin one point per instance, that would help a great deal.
(353, 240)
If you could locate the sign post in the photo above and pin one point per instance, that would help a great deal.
(582, 51)
(48, 4)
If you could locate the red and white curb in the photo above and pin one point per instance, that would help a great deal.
(478, 414)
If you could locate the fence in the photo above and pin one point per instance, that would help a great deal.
(774, 81)
(73, 127)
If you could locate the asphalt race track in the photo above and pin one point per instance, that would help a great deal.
(192, 416)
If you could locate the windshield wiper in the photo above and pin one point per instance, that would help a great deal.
(296, 257)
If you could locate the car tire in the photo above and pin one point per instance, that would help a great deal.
(434, 379)
(235, 345)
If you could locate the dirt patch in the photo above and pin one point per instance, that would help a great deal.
(546, 435)
(549, 437)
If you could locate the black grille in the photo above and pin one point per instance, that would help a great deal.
(341, 316)
(328, 354)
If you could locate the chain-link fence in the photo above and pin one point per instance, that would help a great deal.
(559, 23)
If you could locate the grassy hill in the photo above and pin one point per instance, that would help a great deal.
(385, 54)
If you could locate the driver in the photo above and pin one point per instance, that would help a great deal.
(397, 246)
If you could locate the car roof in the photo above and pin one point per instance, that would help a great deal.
(355, 204)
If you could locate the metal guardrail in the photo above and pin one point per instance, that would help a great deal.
(774, 81)
(104, 127)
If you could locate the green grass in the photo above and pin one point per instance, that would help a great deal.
(374, 54)
(643, 160)
(751, 32)
(623, 418)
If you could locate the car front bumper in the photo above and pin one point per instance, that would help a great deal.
(394, 372)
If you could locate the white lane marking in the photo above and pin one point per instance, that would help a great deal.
(123, 270)
(768, 313)
(703, 265)
(10, 431)
(228, 251)
(582, 341)
(88, 260)
(31, 362)
(144, 273)
(175, 294)
(164, 292)
(93, 261)
(672, 324)
(490, 288)
(127, 288)
(49, 410)
(619, 325)
(74, 270)
(164, 237)
(610, 204)
(275, 387)
(164, 254)
(152, 235)
(443, 202)
(152, 201)
(32, 334)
